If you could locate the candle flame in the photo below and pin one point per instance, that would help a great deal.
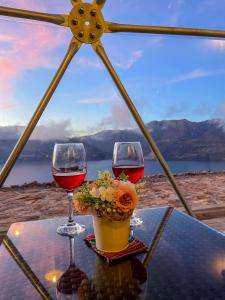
(17, 233)
(53, 275)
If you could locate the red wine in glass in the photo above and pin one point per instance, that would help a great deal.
(128, 158)
(134, 173)
(69, 171)
(69, 181)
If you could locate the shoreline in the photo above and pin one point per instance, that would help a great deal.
(146, 177)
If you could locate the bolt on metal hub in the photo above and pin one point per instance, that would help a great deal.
(86, 22)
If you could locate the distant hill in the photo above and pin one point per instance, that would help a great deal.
(177, 139)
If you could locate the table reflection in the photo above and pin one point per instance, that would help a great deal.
(120, 281)
(18, 230)
(186, 260)
(53, 276)
(25, 268)
(71, 281)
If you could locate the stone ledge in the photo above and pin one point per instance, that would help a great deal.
(217, 223)
(210, 212)
(204, 192)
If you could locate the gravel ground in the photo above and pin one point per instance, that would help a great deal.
(40, 201)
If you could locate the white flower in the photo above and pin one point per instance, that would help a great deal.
(109, 194)
(102, 191)
(106, 194)
(95, 192)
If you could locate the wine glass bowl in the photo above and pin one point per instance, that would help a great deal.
(128, 159)
(134, 173)
(69, 170)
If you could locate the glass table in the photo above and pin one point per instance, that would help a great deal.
(186, 260)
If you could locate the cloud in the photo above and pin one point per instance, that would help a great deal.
(7, 105)
(182, 110)
(119, 118)
(202, 109)
(197, 73)
(24, 4)
(175, 111)
(27, 46)
(216, 44)
(219, 123)
(128, 62)
(220, 112)
(99, 100)
(49, 6)
(89, 63)
(50, 130)
(92, 101)
(156, 41)
(176, 7)
(10, 132)
(53, 130)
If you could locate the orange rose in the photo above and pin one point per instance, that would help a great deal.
(115, 183)
(125, 197)
(92, 185)
(80, 208)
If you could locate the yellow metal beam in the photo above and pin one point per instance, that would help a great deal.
(25, 268)
(102, 54)
(73, 48)
(100, 3)
(75, 1)
(157, 237)
(114, 27)
(26, 14)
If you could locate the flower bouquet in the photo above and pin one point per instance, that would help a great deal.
(111, 202)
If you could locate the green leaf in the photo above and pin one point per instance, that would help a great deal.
(123, 177)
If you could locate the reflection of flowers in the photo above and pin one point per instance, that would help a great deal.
(114, 199)
(114, 280)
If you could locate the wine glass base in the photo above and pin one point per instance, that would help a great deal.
(134, 221)
(70, 230)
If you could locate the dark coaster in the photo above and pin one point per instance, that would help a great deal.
(134, 247)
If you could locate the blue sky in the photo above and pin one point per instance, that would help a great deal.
(168, 77)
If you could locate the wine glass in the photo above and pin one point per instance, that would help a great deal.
(128, 158)
(69, 170)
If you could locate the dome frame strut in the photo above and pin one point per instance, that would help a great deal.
(87, 25)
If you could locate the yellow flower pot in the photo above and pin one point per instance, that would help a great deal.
(111, 236)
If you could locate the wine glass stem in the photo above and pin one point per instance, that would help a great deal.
(72, 254)
(70, 199)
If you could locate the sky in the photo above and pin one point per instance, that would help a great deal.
(167, 77)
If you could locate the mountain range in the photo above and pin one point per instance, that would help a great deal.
(177, 140)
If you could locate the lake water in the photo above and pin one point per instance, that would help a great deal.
(41, 171)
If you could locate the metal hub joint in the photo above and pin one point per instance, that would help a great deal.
(86, 22)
